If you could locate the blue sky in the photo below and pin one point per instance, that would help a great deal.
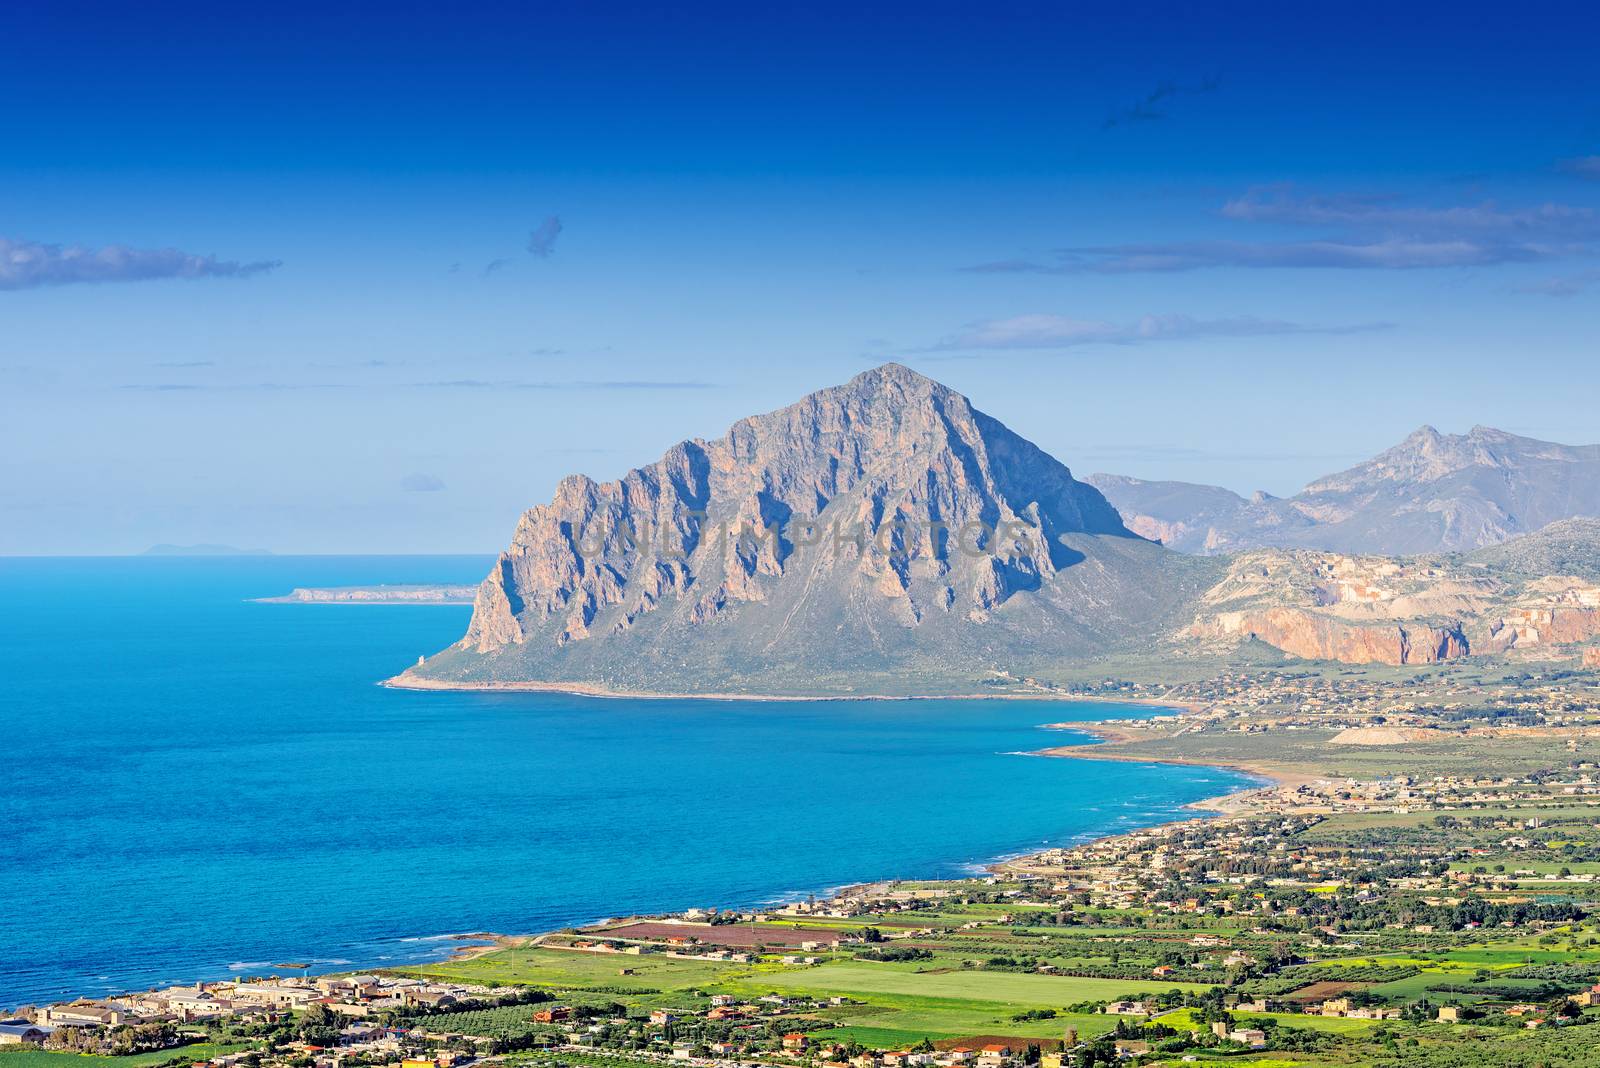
(374, 280)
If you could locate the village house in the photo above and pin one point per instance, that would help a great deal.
(994, 1055)
(1128, 1008)
(275, 994)
(353, 1034)
(84, 1014)
(22, 1032)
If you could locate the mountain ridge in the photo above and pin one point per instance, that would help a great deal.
(1431, 492)
(885, 537)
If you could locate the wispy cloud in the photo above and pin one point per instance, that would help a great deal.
(494, 266)
(1152, 107)
(1395, 254)
(420, 483)
(542, 241)
(32, 264)
(1361, 232)
(618, 384)
(241, 387)
(1060, 331)
(1389, 214)
(187, 363)
(1583, 166)
(1564, 286)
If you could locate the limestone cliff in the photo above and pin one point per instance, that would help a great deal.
(1408, 610)
(1358, 610)
(1311, 636)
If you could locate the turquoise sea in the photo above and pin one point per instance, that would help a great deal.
(192, 785)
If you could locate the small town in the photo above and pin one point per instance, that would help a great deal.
(1312, 923)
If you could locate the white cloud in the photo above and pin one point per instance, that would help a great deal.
(31, 264)
(1356, 232)
(1060, 331)
(542, 241)
(420, 483)
(1583, 166)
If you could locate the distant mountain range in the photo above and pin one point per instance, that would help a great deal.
(885, 537)
(1431, 493)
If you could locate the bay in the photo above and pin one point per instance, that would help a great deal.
(194, 786)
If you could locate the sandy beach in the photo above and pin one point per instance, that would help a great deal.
(406, 681)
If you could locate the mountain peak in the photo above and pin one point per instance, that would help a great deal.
(896, 372)
(884, 506)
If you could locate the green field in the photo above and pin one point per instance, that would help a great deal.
(567, 970)
(1022, 990)
(1184, 1019)
(1312, 751)
(33, 1058)
(912, 1019)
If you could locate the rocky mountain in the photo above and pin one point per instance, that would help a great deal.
(1431, 493)
(882, 536)
(885, 537)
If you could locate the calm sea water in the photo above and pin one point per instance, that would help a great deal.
(192, 785)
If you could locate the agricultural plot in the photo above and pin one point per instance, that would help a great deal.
(567, 970)
(1022, 991)
(184, 1055)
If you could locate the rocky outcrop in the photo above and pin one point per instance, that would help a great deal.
(1591, 657)
(1311, 636)
(1366, 609)
(1353, 609)
(1555, 610)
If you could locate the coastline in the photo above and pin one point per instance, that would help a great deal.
(476, 943)
(406, 681)
(1111, 735)
(1230, 803)
(1019, 863)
